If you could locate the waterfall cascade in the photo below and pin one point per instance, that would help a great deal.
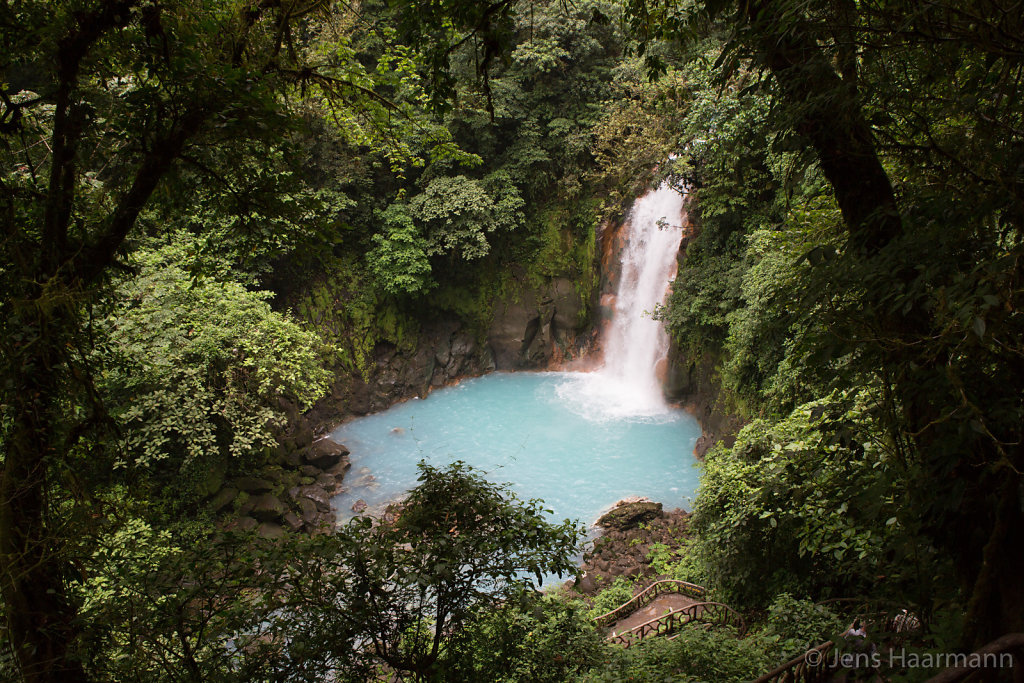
(578, 440)
(635, 343)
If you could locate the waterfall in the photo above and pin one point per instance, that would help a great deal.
(635, 343)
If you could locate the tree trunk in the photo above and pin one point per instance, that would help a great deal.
(32, 570)
(828, 113)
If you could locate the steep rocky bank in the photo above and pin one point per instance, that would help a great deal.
(532, 328)
(631, 528)
(693, 382)
(293, 491)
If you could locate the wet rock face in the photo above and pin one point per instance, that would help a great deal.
(444, 352)
(532, 328)
(694, 383)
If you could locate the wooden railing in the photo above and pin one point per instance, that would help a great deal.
(713, 613)
(1006, 653)
(646, 596)
(810, 667)
(994, 658)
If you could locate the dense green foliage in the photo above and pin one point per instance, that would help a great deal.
(855, 269)
(370, 597)
(193, 367)
(213, 208)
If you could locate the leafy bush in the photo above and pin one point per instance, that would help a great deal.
(696, 654)
(808, 504)
(194, 367)
(620, 591)
(545, 639)
(798, 625)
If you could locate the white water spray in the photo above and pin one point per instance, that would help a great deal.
(627, 384)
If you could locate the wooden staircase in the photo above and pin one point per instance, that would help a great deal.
(819, 664)
(647, 596)
(710, 613)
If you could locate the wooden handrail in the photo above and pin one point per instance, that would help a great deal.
(647, 595)
(1011, 644)
(800, 670)
(714, 613)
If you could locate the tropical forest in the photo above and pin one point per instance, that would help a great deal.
(511, 341)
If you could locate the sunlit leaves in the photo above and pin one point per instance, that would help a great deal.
(399, 259)
(197, 365)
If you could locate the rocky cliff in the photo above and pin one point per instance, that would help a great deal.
(532, 328)
(693, 382)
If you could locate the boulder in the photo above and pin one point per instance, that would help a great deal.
(270, 530)
(246, 507)
(253, 484)
(307, 508)
(327, 481)
(267, 508)
(244, 524)
(310, 471)
(325, 453)
(630, 571)
(312, 518)
(341, 469)
(224, 497)
(321, 522)
(359, 506)
(287, 454)
(317, 495)
(630, 515)
(292, 520)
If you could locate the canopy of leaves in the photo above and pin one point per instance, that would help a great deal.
(856, 236)
(406, 595)
(194, 367)
(460, 544)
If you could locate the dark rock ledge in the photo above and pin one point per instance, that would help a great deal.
(631, 527)
(293, 493)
